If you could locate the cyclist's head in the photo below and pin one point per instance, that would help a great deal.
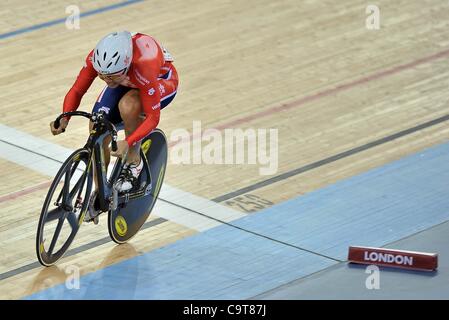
(113, 54)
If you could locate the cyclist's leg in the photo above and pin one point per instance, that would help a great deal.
(130, 108)
(108, 101)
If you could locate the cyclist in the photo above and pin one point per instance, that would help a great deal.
(140, 81)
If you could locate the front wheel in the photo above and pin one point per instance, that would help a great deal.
(67, 200)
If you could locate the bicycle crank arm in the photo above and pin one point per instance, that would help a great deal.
(114, 202)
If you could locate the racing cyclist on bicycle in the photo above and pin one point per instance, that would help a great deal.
(140, 81)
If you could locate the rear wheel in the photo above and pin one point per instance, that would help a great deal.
(128, 218)
(64, 207)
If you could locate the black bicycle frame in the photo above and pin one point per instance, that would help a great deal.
(102, 128)
(95, 145)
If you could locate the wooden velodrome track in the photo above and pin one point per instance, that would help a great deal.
(311, 69)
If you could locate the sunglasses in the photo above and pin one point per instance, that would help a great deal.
(112, 76)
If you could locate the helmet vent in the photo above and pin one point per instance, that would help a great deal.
(98, 62)
(109, 64)
(116, 60)
(104, 56)
(115, 54)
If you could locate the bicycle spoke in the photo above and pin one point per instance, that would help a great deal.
(54, 214)
(74, 168)
(60, 194)
(66, 188)
(77, 187)
(72, 171)
(73, 221)
(56, 235)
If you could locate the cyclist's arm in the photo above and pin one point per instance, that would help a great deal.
(151, 103)
(85, 78)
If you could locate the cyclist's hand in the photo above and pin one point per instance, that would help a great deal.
(122, 149)
(62, 125)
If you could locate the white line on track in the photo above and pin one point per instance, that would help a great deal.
(15, 140)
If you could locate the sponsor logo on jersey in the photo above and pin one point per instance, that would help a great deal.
(151, 91)
(161, 88)
(156, 106)
(141, 78)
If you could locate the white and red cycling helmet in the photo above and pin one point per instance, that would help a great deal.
(113, 53)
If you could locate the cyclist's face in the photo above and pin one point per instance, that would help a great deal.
(113, 79)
